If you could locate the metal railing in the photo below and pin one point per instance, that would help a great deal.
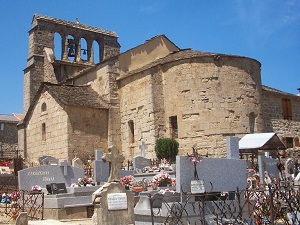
(15, 201)
(273, 205)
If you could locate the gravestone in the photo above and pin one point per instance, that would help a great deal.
(139, 162)
(217, 174)
(143, 148)
(233, 151)
(101, 168)
(22, 219)
(267, 166)
(113, 205)
(77, 162)
(48, 160)
(47, 174)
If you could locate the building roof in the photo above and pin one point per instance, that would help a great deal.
(261, 141)
(74, 24)
(180, 55)
(9, 118)
(76, 95)
(83, 96)
(273, 90)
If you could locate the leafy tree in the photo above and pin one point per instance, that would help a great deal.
(166, 148)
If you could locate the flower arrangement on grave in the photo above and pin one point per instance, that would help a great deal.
(165, 165)
(14, 196)
(127, 181)
(74, 185)
(5, 198)
(164, 191)
(36, 188)
(161, 179)
(85, 181)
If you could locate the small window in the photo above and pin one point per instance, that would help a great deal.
(251, 122)
(44, 107)
(173, 127)
(286, 109)
(44, 132)
(289, 142)
(2, 126)
(131, 131)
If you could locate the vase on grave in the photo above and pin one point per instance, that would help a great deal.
(163, 184)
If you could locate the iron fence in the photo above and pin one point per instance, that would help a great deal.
(15, 201)
(272, 205)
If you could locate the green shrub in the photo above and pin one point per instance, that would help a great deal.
(166, 148)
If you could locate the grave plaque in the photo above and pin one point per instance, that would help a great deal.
(117, 201)
(197, 186)
(58, 188)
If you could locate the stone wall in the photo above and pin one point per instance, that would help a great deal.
(55, 119)
(273, 117)
(8, 139)
(211, 100)
(87, 131)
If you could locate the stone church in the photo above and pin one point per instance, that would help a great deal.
(93, 96)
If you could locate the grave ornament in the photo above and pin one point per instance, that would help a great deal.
(116, 161)
(143, 148)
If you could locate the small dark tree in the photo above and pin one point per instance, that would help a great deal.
(166, 148)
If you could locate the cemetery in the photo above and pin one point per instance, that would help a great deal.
(194, 189)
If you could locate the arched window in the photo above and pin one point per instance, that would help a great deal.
(44, 107)
(96, 48)
(57, 46)
(84, 49)
(72, 48)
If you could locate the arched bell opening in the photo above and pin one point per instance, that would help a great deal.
(83, 49)
(97, 56)
(57, 46)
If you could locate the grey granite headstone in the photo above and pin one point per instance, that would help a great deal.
(218, 174)
(139, 162)
(101, 168)
(267, 166)
(43, 175)
(233, 147)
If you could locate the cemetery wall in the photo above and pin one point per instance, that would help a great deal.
(87, 131)
(54, 143)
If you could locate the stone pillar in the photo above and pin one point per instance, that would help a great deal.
(64, 47)
(78, 50)
(90, 51)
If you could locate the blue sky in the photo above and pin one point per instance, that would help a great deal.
(266, 30)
